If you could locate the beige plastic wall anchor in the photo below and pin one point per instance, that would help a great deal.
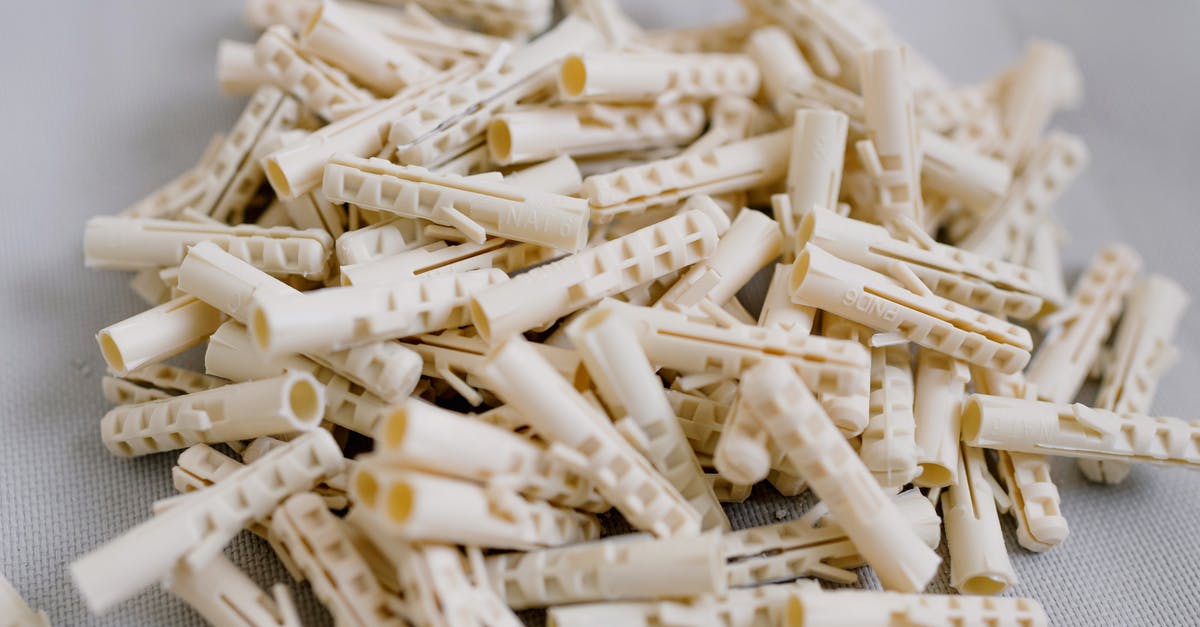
(544, 294)
(444, 590)
(779, 62)
(269, 112)
(386, 369)
(508, 18)
(1030, 495)
(15, 612)
(840, 328)
(232, 355)
(751, 607)
(150, 287)
(318, 86)
(793, 15)
(1049, 171)
(650, 77)
(242, 190)
(940, 390)
(729, 492)
(815, 92)
(1034, 500)
(456, 117)
(754, 162)
(332, 491)
(200, 466)
(752, 241)
(1046, 79)
(814, 176)
(182, 191)
(743, 452)
(1028, 426)
(978, 282)
(157, 333)
(838, 370)
(226, 597)
(439, 587)
(174, 380)
(864, 608)
(427, 508)
(113, 243)
(724, 36)
(196, 529)
(410, 26)
(427, 438)
(456, 358)
(945, 111)
(889, 447)
(582, 435)
(779, 400)
(731, 119)
(1076, 334)
(471, 162)
(336, 36)
(539, 133)
(339, 317)
(390, 237)
(474, 206)
(1044, 257)
(778, 310)
(812, 546)
(625, 567)
(122, 392)
(1142, 353)
(633, 395)
(559, 175)
(892, 150)
(440, 258)
(292, 402)
(979, 561)
(703, 421)
(952, 168)
(312, 211)
(956, 170)
(907, 309)
(237, 71)
(701, 418)
(318, 542)
(620, 31)
(603, 164)
(263, 14)
(156, 382)
(296, 169)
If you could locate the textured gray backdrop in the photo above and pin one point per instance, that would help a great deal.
(107, 100)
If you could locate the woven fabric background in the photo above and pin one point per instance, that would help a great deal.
(104, 101)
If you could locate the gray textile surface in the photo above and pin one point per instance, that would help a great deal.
(107, 100)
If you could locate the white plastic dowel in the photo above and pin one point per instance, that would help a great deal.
(286, 404)
(633, 394)
(474, 206)
(1028, 426)
(908, 309)
(195, 530)
(648, 77)
(580, 432)
(940, 388)
(157, 333)
(979, 561)
(798, 426)
(1076, 334)
(1143, 351)
(544, 294)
